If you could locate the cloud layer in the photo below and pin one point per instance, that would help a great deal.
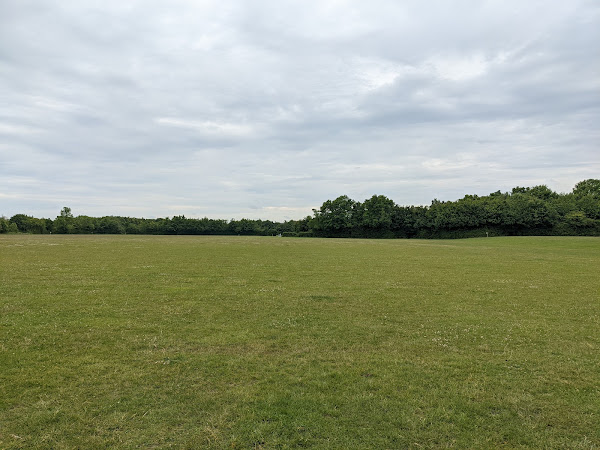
(265, 109)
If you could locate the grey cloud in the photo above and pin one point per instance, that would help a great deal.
(230, 109)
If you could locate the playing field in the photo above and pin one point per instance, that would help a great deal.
(264, 342)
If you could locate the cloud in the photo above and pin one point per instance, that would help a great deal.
(208, 127)
(229, 109)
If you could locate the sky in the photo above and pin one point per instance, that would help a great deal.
(266, 109)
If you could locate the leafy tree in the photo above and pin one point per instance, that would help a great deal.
(6, 226)
(49, 224)
(378, 212)
(66, 213)
(20, 220)
(243, 227)
(29, 224)
(578, 219)
(110, 225)
(587, 197)
(590, 187)
(83, 224)
(63, 224)
(527, 212)
(335, 217)
(542, 192)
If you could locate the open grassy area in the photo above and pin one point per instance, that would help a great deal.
(256, 342)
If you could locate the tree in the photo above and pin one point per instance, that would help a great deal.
(587, 197)
(29, 224)
(20, 220)
(335, 217)
(243, 226)
(590, 187)
(66, 213)
(83, 224)
(378, 212)
(110, 225)
(578, 219)
(527, 212)
(542, 192)
(64, 223)
(7, 226)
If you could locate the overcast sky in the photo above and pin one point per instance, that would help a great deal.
(265, 109)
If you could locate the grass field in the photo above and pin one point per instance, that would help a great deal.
(257, 342)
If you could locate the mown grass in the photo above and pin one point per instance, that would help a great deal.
(235, 342)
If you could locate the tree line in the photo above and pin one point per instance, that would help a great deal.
(524, 211)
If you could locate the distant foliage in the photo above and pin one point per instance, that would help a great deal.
(6, 226)
(524, 211)
(27, 224)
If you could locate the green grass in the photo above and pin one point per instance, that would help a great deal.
(257, 342)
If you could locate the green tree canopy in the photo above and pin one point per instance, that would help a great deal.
(590, 187)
